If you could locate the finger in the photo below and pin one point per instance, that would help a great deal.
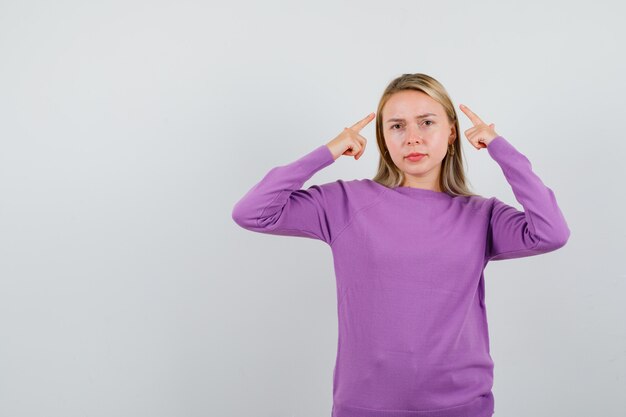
(363, 144)
(353, 149)
(359, 149)
(477, 145)
(476, 140)
(472, 116)
(469, 132)
(363, 122)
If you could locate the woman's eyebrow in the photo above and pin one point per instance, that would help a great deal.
(421, 116)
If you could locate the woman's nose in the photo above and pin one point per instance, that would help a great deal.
(413, 134)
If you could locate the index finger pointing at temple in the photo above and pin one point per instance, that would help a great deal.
(472, 116)
(362, 123)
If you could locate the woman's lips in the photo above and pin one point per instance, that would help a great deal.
(415, 158)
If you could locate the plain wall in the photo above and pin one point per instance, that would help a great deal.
(129, 129)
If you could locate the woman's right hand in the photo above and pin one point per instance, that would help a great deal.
(350, 142)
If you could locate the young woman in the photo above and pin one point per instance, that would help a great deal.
(410, 247)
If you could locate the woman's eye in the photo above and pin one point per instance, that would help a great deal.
(430, 122)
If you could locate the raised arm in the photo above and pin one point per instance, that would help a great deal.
(278, 205)
(540, 228)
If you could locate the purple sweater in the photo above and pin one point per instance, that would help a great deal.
(409, 262)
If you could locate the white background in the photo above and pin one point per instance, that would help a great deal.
(129, 129)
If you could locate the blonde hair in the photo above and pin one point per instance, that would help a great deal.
(452, 177)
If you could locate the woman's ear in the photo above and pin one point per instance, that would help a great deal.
(452, 133)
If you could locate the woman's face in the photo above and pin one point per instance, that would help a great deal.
(414, 122)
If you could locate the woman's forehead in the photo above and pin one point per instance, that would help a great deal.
(411, 104)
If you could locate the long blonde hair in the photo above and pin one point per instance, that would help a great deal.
(452, 179)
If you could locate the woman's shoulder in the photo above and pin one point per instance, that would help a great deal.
(475, 202)
(363, 186)
(351, 192)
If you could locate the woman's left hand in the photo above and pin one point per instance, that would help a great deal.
(481, 134)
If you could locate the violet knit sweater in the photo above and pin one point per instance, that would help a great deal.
(409, 262)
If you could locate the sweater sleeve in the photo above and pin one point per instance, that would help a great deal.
(540, 228)
(277, 204)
